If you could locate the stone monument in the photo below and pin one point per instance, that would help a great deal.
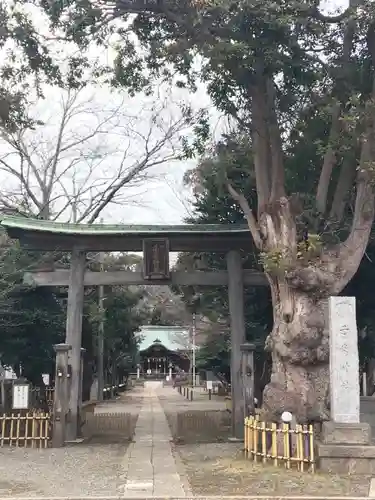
(343, 361)
(346, 442)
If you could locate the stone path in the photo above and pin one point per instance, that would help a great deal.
(149, 465)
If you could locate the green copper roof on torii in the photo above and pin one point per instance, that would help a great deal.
(37, 225)
(45, 235)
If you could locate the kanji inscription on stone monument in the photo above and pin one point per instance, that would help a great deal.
(344, 360)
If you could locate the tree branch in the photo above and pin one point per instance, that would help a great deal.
(261, 144)
(352, 250)
(329, 161)
(249, 216)
(22, 180)
(344, 184)
(330, 155)
(277, 170)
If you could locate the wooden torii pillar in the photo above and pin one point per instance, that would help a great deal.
(238, 337)
(74, 337)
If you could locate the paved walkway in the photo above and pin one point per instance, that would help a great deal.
(149, 465)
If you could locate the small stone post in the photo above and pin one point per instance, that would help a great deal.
(247, 375)
(61, 396)
(170, 371)
(81, 378)
(138, 372)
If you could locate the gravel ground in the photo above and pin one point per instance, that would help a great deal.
(92, 468)
(220, 468)
(82, 470)
(127, 402)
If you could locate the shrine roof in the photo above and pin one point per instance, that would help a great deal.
(160, 335)
(46, 235)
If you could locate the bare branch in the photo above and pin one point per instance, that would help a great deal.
(249, 216)
(82, 159)
(19, 175)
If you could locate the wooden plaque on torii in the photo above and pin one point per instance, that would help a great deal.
(156, 259)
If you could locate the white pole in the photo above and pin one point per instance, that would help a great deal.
(193, 346)
(364, 383)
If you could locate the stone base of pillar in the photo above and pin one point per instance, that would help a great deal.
(346, 448)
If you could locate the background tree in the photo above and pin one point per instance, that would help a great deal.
(82, 156)
(32, 320)
(122, 321)
(26, 56)
(214, 355)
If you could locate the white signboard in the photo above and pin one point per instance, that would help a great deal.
(20, 396)
(45, 377)
(209, 385)
(9, 374)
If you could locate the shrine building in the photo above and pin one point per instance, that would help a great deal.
(160, 354)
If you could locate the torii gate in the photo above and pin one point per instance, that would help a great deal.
(156, 242)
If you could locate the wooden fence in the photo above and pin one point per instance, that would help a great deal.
(25, 429)
(33, 428)
(199, 426)
(120, 425)
(280, 444)
(191, 393)
(36, 394)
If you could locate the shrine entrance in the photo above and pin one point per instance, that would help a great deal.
(157, 362)
(155, 242)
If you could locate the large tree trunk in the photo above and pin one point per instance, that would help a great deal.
(300, 359)
(301, 284)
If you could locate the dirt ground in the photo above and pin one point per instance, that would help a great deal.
(232, 474)
(82, 470)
